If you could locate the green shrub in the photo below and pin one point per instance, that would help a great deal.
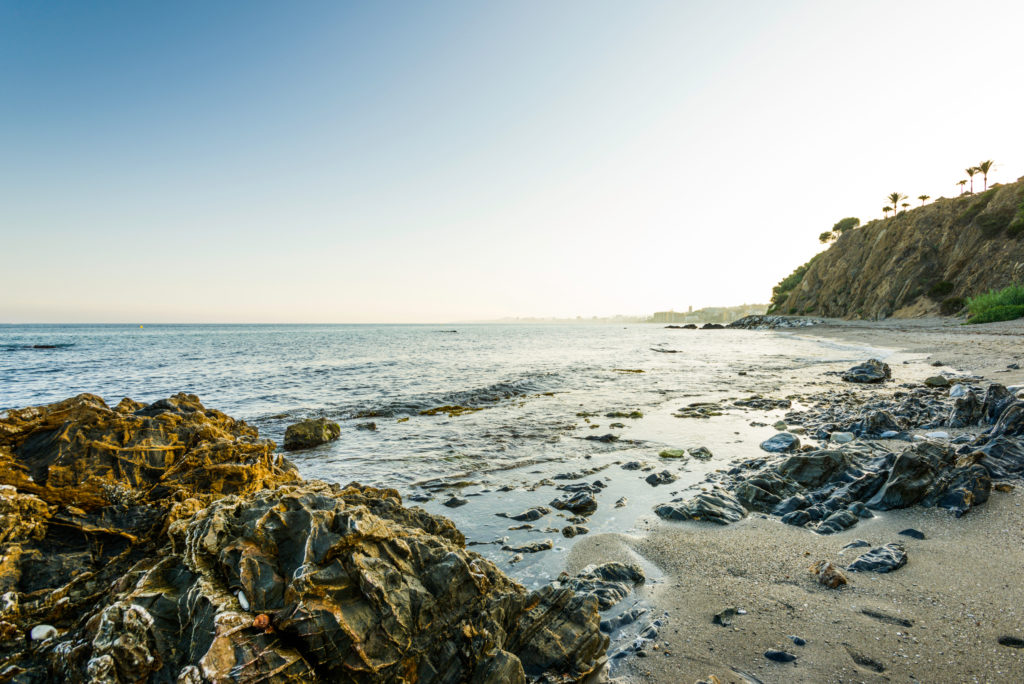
(994, 222)
(940, 289)
(1016, 227)
(997, 305)
(781, 291)
(826, 236)
(846, 224)
(951, 305)
(968, 215)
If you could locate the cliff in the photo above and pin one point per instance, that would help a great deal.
(924, 261)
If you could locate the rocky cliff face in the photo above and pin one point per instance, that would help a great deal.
(169, 543)
(924, 261)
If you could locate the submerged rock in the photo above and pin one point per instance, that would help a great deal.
(871, 371)
(310, 433)
(581, 503)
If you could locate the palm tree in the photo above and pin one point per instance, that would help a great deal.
(970, 174)
(962, 184)
(886, 210)
(923, 198)
(905, 205)
(895, 198)
(985, 167)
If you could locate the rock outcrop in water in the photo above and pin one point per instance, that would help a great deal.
(168, 543)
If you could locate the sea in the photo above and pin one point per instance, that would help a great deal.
(541, 395)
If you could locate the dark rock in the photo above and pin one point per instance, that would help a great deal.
(625, 618)
(310, 433)
(1011, 641)
(529, 515)
(882, 559)
(781, 443)
(959, 489)
(1010, 422)
(912, 533)
(764, 491)
(855, 544)
(701, 453)
(837, 522)
(664, 477)
(876, 424)
(581, 503)
(967, 410)
(609, 583)
(797, 640)
(815, 468)
(366, 426)
(913, 473)
(779, 656)
(861, 511)
(717, 506)
(797, 518)
(870, 371)
(531, 547)
(712, 326)
(574, 530)
(764, 404)
(455, 502)
(602, 438)
(632, 465)
(725, 618)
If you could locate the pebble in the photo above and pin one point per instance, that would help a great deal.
(779, 656)
(243, 600)
(797, 640)
(842, 437)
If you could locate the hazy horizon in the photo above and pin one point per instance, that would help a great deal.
(457, 162)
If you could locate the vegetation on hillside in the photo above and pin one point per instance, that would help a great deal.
(997, 305)
(781, 291)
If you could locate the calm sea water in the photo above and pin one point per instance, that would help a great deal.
(530, 382)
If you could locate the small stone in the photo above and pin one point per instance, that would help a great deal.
(828, 574)
(570, 531)
(841, 437)
(243, 600)
(664, 477)
(937, 381)
(455, 502)
(938, 434)
(882, 559)
(797, 640)
(912, 533)
(779, 425)
(701, 453)
(781, 443)
(621, 502)
(779, 656)
(310, 433)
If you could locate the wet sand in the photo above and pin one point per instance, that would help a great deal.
(937, 619)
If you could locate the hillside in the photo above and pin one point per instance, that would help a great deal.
(924, 261)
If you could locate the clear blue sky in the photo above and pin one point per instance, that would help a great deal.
(411, 161)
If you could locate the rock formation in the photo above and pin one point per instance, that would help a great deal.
(168, 543)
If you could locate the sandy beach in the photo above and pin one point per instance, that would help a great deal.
(937, 619)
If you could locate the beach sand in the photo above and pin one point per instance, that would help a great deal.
(937, 619)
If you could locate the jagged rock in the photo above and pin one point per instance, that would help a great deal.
(958, 489)
(875, 424)
(179, 547)
(781, 443)
(913, 473)
(967, 410)
(664, 477)
(531, 547)
(837, 522)
(997, 399)
(530, 514)
(717, 506)
(581, 503)
(1011, 421)
(765, 491)
(870, 371)
(701, 453)
(310, 433)
(815, 468)
(828, 574)
(609, 582)
(882, 559)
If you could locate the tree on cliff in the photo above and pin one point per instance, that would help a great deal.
(962, 184)
(923, 198)
(886, 210)
(895, 198)
(826, 237)
(846, 224)
(985, 167)
(970, 174)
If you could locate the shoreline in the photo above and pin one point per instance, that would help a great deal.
(937, 619)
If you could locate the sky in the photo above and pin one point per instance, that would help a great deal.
(450, 161)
